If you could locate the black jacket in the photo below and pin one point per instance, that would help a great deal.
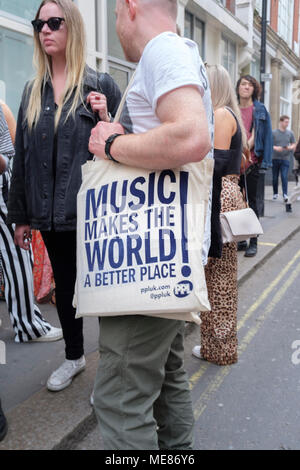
(43, 193)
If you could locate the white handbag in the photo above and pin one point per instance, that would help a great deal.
(139, 240)
(239, 225)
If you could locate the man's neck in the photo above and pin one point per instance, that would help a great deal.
(149, 31)
(281, 128)
(246, 102)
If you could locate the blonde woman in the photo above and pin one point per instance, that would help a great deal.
(219, 327)
(59, 108)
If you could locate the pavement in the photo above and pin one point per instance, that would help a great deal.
(41, 420)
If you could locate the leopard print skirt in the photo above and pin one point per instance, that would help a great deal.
(219, 327)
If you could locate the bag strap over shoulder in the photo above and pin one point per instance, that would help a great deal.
(122, 102)
(121, 105)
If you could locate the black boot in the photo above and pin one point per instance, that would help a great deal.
(252, 248)
(242, 246)
(288, 208)
(3, 424)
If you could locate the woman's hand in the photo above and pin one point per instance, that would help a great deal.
(98, 104)
(22, 236)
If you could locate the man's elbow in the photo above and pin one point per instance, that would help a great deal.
(200, 147)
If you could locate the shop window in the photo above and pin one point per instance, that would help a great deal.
(285, 24)
(194, 29)
(16, 52)
(25, 9)
(229, 57)
(285, 96)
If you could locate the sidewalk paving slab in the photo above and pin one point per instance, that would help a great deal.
(48, 421)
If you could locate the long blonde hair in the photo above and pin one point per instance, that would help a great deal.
(75, 64)
(223, 94)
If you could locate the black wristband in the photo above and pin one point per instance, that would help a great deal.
(108, 144)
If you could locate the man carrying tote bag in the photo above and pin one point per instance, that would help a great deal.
(141, 395)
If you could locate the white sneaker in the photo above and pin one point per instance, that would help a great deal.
(62, 377)
(197, 351)
(275, 196)
(54, 334)
(285, 198)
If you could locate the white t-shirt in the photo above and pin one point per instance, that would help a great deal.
(168, 62)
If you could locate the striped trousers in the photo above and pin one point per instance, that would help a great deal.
(17, 265)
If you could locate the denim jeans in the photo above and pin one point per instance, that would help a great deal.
(281, 166)
(252, 178)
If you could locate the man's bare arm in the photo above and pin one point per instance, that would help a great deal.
(182, 137)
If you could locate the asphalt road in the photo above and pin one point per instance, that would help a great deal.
(253, 404)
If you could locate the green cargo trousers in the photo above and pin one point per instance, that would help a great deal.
(141, 396)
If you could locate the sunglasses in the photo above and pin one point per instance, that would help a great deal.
(53, 23)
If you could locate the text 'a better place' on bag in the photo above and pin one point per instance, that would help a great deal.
(139, 240)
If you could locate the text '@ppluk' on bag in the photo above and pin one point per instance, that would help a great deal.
(139, 240)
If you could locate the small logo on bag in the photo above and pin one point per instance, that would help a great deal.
(183, 289)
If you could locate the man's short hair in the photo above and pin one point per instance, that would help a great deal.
(170, 5)
(284, 117)
(256, 85)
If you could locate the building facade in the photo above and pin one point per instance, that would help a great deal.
(226, 31)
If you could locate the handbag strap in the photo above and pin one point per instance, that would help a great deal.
(245, 180)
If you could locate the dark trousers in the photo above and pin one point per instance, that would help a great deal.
(282, 167)
(61, 248)
(252, 181)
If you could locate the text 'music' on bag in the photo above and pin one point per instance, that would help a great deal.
(139, 241)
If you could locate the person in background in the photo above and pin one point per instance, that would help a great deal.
(218, 343)
(141, 394)
(283, 148)
(25, 316)
(59, 108)
(296, 169)
(258, 126)
(295, 195)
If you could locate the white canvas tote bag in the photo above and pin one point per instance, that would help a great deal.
(139, 240)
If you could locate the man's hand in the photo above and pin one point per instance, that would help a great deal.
(100, 134)
(99, 105)
(22, 236)
(278, 149)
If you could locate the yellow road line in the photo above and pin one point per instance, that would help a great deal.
(267, 244)
(196, 376)
(206, 396)
(267, 291)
